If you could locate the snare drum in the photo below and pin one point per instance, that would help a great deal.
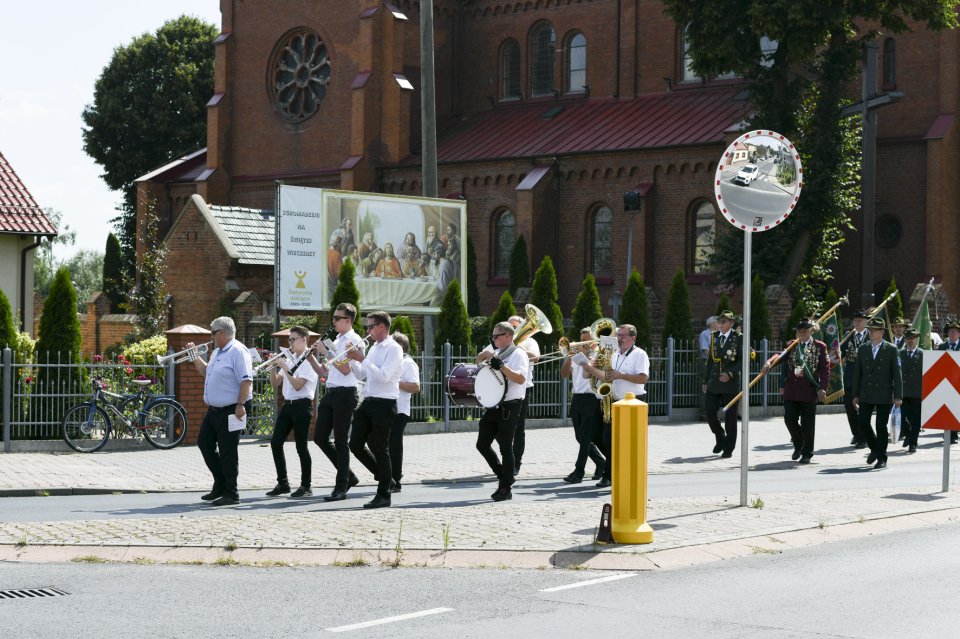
(473, 385)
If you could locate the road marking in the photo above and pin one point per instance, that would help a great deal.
(380, 622)
(590, 582)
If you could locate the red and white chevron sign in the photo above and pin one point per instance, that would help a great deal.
(940, 407)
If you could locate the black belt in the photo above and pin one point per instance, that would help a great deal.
(584, 394)
(302, 400)
(511, 401)
(335, 389)
(223, 409)
(378, 399)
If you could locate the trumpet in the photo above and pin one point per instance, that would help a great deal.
(186, 355)
(566, 349)
(342, 359)
(270, 364)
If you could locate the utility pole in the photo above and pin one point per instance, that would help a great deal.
(428, 101)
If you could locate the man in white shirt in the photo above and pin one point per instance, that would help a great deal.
(629, 371)
(409, 384)
(335, 409)
(498, 423)
(298, 385)
(586, 414)
(381, 368)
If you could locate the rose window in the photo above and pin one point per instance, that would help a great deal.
(300, 74)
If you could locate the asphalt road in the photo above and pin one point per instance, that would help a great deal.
(896, 585)
(770, 478)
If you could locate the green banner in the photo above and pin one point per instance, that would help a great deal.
(829, 334)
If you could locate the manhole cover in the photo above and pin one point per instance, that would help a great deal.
(31, 593)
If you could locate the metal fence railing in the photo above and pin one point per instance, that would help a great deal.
(36, 394)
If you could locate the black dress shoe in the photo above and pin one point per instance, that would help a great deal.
(880, 464)
(912, 449)
(353, 481)
(303, 491)
(598, 473)
(279, 489)
(718, 447)
(906, 442)
(872, 457)
(860, 445)
(336, 495)
(574, 478)
(213, 494)
(395, 486)
(502, 493)
(604, 483)
(805, 460)
(854, 441)
(226, 500)
(378, 501)
(726, 454)
(796, 452)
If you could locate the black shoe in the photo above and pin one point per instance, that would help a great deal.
(516, 470)
(226, 500)
(279, 489)
(378, 501)
(502, 493)
(953, 440)
(719, 446)
(727, 454)
(574, 478)
(906, 442)
(336, 495)
(880, 464)
(854, 441)
(604, 483)
(598, 473)
(395, 486)
(902, 436)
(805, 459)
(213, 494)
(303, 491)
(860, 445)
(872, 457)
(796, 452)
(912, 449)
(353, 481)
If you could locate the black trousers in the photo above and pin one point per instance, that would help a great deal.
(910, 419)
(588, 429)
(853, 420)
(801, 418)
(396, 445)
(519, 436)
(294, 415)
(371, 425)
(499, 424)
(877, 441)
(713, 402)
(334, 413)
(219, 448)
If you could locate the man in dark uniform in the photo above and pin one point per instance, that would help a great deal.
(877, 385)
(721, 382)
(899, 326)
(952, 343)
(804, 375)
(850, 349)
(911, 362)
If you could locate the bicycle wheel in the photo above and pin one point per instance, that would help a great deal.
(164, 423)
(85, 430)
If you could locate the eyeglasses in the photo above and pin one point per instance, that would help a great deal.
(293, 338)
(496, 335)
(219, 330)
(369, 326)
(337, 318)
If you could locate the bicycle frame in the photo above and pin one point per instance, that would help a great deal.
(116, 402)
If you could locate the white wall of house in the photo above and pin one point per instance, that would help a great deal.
(11, 247)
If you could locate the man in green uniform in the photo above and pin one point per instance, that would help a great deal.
(877, 385)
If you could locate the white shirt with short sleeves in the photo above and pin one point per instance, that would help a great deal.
(633, 362)
(227, 369)
(581, 382)
(336, 379)
(518, 362)
(304, 371)
(409, 372)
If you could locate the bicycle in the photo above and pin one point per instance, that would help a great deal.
(160, 419)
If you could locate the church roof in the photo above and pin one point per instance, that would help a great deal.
(19, 212)
(247, 235)
(563, 127)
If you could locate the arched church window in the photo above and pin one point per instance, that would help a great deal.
(299, 74)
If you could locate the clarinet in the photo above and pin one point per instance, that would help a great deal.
(300, 360)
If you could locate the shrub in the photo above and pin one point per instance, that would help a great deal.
(544, 297)
(634, 309)
(678, 320)
(454, 325)
(403, 324)
(519, 266)
(587, 308)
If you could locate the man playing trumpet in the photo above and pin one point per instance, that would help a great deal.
(585, 411)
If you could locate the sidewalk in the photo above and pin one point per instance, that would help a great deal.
(555, 530)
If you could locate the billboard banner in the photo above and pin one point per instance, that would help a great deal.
(406, 250)
(301, 249)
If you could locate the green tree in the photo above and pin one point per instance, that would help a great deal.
(798, 88)
(149, 297)
(59, 340)
(723, 304)
(347, 292)
(473, 291)
(149, 107)
(113, 281)
(45, 262)
(544, 297)
(759, 314)
(8, 328)
(454, 325)
(802, 308)
(504, 311)
(634, 309)
(519, 266)
(828, 303)
(403, 324)
(587, 309)
(678, 320)
(894, 307)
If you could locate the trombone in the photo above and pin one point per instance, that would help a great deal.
(600, 328)
(342, 358)
(186, 355)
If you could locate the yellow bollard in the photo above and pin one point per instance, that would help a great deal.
(629, 524)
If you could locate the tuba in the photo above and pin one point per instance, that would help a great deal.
(603, 327)
(536, 322)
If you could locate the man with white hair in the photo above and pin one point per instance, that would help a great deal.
(227, 391)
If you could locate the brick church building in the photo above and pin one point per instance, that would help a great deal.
(549, 111)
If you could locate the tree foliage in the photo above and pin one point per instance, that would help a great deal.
(678, 320)
(544, 296)
(59, 336)
(347, 292)
(634, 309)
(759, 314)
(798, 88)
(403, 324)
(8, 328)
(148, 299)
(149, 107)
(587, 308)
(454, 325)
(112, 274)
(504, 311)
(894, 308)
(519, 266)
(723, 304)
(473, 290)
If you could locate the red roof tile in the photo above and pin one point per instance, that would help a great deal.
(679, 118)
(19, 212)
